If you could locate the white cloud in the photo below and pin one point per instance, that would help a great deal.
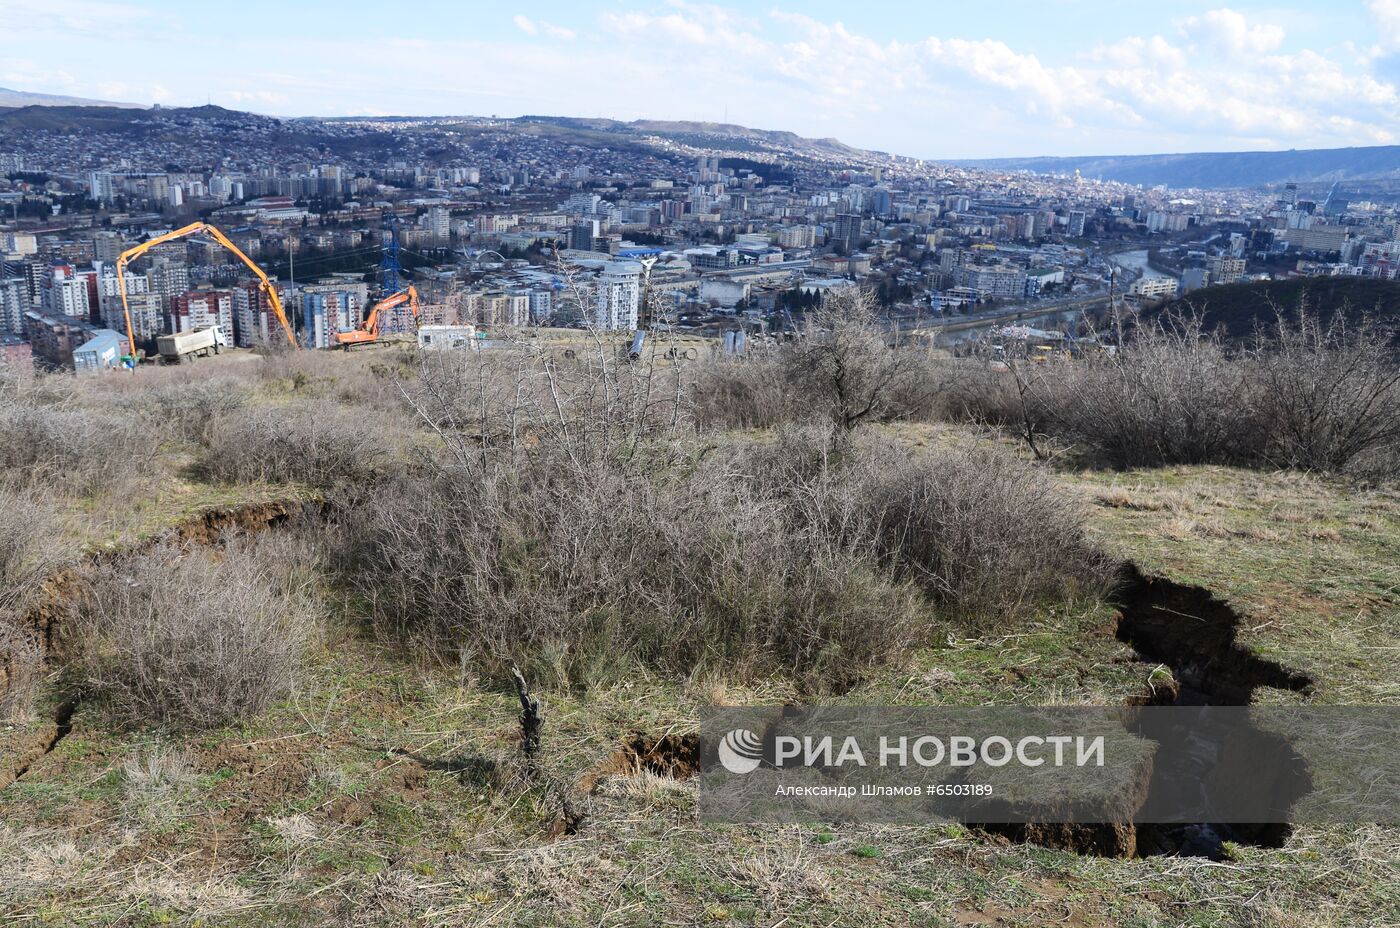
(1387, 16)
(1229, 31)
(1220, 81)
(532, 27)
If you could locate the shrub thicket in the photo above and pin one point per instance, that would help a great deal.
(614, 542)
(1301, 394)
(318, 443)
(194, 637)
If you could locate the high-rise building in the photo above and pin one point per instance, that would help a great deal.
(1076, 222)
(14, 303)
(253, 320)
(619, 295)
(581, 237)
(107, 247)
(331, 308)
(100, 186)
(200, 309)
(168, 280)
(68, 296)
(880, 202)
(799, 236)
(541, 305)
(1225, 270)
(147, 314)
(845, 232)
(438, 221)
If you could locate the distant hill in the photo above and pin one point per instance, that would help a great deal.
(1217, 169)
(55, 118)
(710, 135)
(17, 98)
(1238, 308)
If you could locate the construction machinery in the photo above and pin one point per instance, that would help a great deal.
(367, 333)
(186, 346)
(196, 228)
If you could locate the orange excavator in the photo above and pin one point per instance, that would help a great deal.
(194, 228)
(367, 333)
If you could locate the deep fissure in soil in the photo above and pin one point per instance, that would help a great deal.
(1194, 633)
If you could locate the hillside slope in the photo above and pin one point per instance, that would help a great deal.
(1217, 169)
(1239, 308)
(18, 98)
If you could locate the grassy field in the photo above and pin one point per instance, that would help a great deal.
(386, 791)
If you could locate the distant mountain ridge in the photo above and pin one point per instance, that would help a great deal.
(20, 111)
(1216, 169)
(18, 98)
(703, 134)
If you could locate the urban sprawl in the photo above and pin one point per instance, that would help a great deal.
(499, 229)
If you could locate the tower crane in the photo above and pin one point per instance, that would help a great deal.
(264, 282)
(367, 333)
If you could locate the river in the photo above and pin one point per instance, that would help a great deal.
(1136, 261)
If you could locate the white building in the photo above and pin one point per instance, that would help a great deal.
(69, 297)
(1154, 288)
(100, 184)
(447, 337)
(619, 295)
(14, 303)
(541, 305)
(438, 222)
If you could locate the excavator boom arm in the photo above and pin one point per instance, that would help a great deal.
(264, 282)
(408, 295)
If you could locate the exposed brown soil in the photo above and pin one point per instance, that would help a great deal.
(45, 624)
(674, 756)
(20, 751)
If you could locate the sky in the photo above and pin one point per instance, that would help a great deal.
(930, 80)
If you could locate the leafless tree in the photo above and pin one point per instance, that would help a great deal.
(842, 362)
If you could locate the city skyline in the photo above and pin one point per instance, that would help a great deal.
(1067, 78)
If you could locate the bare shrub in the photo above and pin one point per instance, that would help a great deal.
(842, 365)
(77, 449)
(189, 411)
(985, 535)
(982, 532)
(840, 368)
(316, 443)
(194, 637)
(1326, 395)
(922, 390)
(581, 580)
(742, 393)
(29, 552)
(1304, 394)
(572, 526)
(1173, 395)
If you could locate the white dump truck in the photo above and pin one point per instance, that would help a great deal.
(186, 346)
